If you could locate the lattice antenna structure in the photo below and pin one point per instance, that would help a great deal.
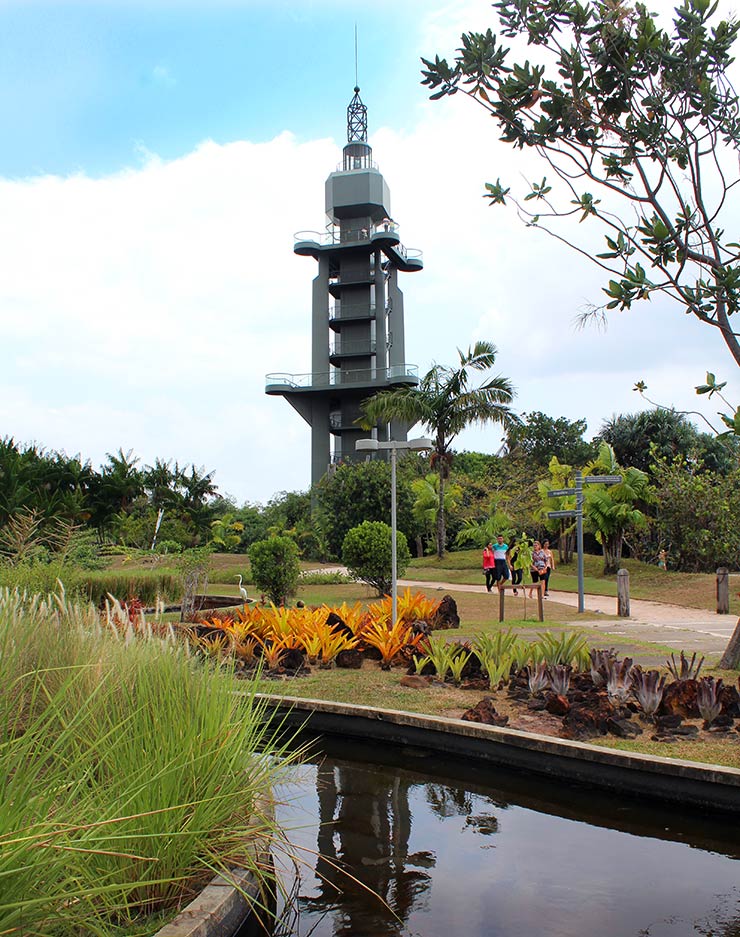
(356, 119)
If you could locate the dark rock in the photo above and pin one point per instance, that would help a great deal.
(349, 659)
(446, 616)
(337, 623)
(369, 652)
(478, 682)
(415, 682)
(730, 699)
(485, 713)
(590, 719)
(679, 699)
(667, 739)
(519, 693)
(421, 627)
(668, 722)
(634, 707)
(718, 730)
(688, 732)
(292, 661)
(723, 721)
(537, 704)
(623, 728)
(557, 705)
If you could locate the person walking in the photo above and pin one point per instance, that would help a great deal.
(500, 550)
(550, 565)
(539, 565)
(489, 566)
(512, 556)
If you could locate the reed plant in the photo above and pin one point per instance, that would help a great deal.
(129, 772)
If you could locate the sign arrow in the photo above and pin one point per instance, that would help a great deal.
(573, 513)
(561, 492)
(602, 480)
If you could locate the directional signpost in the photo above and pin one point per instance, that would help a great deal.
(577, 512)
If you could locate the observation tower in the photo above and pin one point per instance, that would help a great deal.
(357, 332)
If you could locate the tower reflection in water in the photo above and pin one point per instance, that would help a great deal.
(366, 878)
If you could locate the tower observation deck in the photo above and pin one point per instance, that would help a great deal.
(357, 333)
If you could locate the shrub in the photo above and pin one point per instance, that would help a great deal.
(275, 567)
(366, 552)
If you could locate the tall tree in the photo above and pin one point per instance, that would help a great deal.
(445, 404)
(540, 437)
(642, 115)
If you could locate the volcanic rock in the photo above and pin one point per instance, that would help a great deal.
(292, 661)
(446, 616)
(349, 659)
(485, 713)
(623, 728)
(337, 623)
(557, 705)
(415, 682)
(679, 699)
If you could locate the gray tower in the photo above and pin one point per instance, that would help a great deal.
(357, 336)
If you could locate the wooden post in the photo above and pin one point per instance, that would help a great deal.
(501, 593)
(623, 593)
(723, 591)
(540, 603)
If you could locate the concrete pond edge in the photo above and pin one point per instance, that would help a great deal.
(688, 783)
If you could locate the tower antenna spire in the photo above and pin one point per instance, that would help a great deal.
(356, 81)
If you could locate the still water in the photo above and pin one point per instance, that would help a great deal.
(454, 849)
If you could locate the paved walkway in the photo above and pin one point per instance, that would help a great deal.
(691, 629)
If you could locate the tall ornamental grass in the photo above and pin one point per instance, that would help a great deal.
(129, 774)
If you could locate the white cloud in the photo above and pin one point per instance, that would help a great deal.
(143, 310)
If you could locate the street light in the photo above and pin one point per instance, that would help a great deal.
(411, 445)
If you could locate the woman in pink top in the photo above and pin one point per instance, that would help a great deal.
(489, 565)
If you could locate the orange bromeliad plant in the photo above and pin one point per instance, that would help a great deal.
(390, 641)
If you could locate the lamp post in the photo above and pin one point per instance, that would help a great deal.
(393, 446)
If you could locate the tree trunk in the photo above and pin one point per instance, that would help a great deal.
(731, 658)
(441, 511)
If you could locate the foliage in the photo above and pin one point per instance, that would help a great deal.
(559, 675)
(709, 699)
(390, 641)
(685, 669)
(480, 532)
(444, 404)
(129, 775)
(538, 678)
(697, 515)
(366, 552)
(648, 687)
(361, 491)
(426, 505)
(644, 116)
(275, 567)
(567, 648)
(226, 533)
(540, 437)
(611, 510)
(639, 439)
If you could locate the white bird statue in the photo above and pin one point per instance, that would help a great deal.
(243, 591)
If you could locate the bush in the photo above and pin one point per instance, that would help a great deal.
(366, 552)
(275, 567)
(42, 578)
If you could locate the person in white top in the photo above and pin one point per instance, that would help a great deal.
(550, 565)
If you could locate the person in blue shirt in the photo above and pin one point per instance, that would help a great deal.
(500, 549)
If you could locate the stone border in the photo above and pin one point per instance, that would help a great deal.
(218, 911)
(225, 906)
(712, 787)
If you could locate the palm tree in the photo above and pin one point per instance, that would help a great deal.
(445, 404)
(611, 511)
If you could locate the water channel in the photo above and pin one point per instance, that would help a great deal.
(472, 850)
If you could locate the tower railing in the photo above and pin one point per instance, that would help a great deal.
(349, 311)
(333, 234)
(344, 377)
(354, 347)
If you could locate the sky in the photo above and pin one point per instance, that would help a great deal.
(157, 158)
